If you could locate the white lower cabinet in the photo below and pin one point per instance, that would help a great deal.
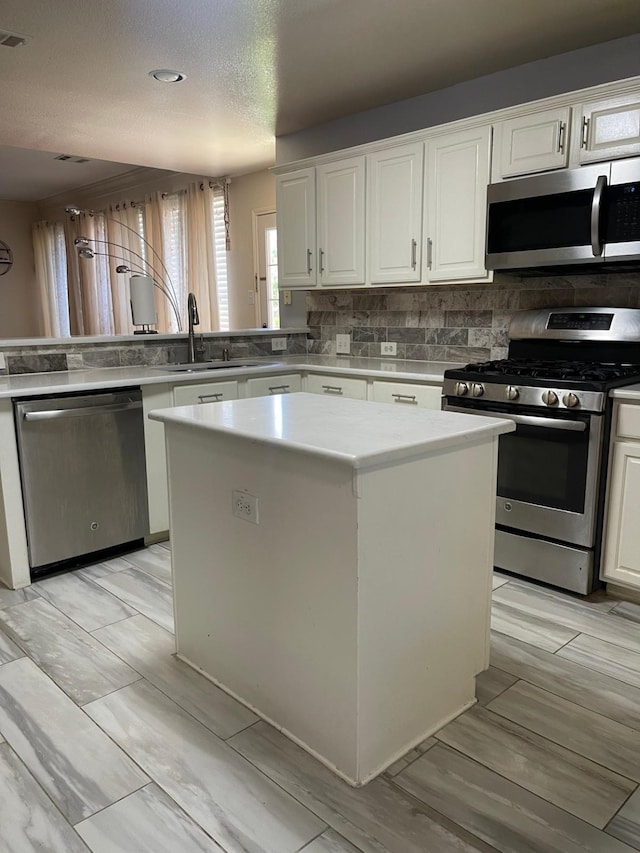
(407, 394)
(621, 551)
(336, 386)
(621, 562)
(207, 392)
(263, 386)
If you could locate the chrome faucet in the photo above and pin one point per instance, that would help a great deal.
(194, 320)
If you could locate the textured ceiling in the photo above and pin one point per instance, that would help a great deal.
(255, 67)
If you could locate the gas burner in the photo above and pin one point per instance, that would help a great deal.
(571, 370)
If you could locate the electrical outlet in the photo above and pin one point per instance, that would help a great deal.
(388, 348)
(343, 344)
(244, 505)
(278, 344)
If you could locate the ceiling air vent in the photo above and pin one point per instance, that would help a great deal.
(72, 159)
(9, 39)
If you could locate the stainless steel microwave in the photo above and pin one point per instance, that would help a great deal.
(589, 215)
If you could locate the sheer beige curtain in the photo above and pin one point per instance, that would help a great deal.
(124, 228)
(180, 227)
(164, 231)
(51, 274)
(200, 254)
(89, 288)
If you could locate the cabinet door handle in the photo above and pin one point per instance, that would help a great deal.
(414, 247)
(309, 253)
(585, 132)
(561, 132)
(275, 388)
(332, 389)
(429, 252)
(405, 398)
(214, 397)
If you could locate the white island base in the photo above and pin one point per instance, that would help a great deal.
(355, 615)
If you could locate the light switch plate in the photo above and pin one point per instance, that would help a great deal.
(3, 363)
(343, 344)
(286, 297)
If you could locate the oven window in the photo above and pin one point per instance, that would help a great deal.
(541, 466)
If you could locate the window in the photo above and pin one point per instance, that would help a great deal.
(273, 294)
(220, 244)
(111, 236)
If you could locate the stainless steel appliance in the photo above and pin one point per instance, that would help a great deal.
(82, 465)
(580, 216)
(552, 470)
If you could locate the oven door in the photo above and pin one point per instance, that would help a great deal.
(548, 471)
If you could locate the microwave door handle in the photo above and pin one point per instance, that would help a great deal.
(596, 242)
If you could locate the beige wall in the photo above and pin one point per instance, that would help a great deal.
(18, 295)
(254, 192)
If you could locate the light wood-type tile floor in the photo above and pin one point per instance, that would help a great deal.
(108, 743)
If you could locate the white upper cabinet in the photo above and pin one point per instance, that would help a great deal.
(341, 222)
(532, 143)
(296, 206)
(609, 129)
(394, 204)
(457, 174)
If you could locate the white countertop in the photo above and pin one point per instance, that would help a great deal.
(71, 381)
(357, 432)
(631, 392)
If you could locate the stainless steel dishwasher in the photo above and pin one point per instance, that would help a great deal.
(82, 466)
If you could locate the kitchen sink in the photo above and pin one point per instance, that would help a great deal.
(199, 366)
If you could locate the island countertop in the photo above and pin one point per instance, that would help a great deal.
(356, 432)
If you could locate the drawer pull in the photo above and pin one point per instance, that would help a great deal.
(214, 397)
(332, 389)
(405, 398)
(275, 388)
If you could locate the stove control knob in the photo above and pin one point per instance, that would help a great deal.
(461, 389)
(511, 392)
(550, 398)
(477, 389)
(571, 400)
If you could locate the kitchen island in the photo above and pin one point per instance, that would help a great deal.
(332, 565)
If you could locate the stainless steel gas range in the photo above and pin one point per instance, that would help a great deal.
(554, 385)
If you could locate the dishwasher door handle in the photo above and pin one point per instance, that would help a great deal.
(112, 408)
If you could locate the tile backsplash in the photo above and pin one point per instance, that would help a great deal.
(77, 354)
(454, 322)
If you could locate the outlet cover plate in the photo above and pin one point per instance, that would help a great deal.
(343, 344)
(278, 344)
(244, 505)
(388, 348)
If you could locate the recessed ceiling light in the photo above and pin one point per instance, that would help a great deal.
(164, 75)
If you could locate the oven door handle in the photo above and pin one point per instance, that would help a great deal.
(526, 420)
